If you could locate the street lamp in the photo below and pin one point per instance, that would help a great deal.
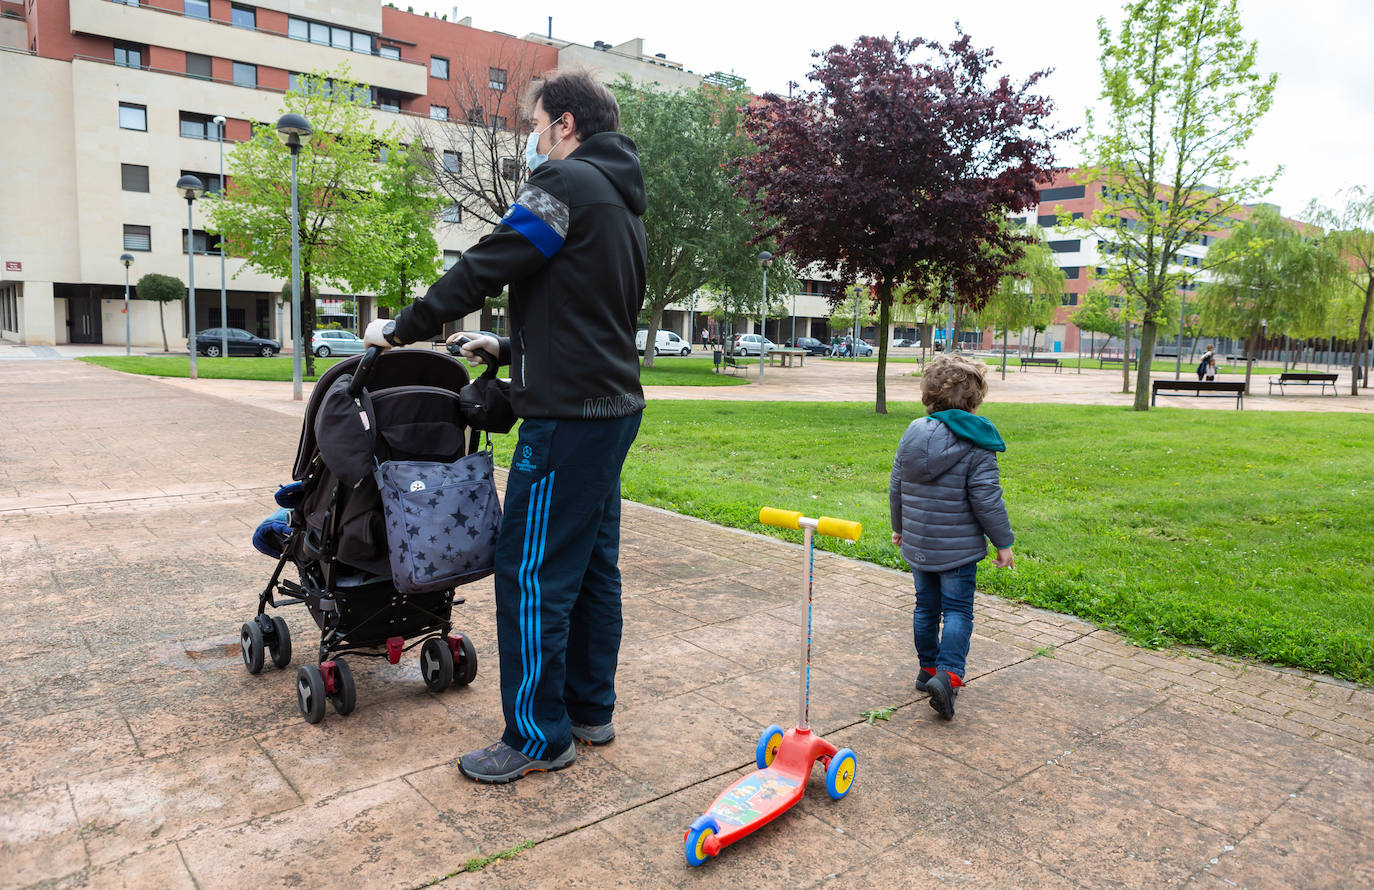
(765, 260)
(223, 293)
(190, 188)
(128, 260)
(294, 131)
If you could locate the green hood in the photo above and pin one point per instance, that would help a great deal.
(971, 427)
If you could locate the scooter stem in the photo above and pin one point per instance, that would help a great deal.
(804, 702)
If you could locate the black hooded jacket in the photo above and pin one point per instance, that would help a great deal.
(572, 251)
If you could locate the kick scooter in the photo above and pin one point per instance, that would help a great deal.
(784, 760)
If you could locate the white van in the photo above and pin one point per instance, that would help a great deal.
(666, 343)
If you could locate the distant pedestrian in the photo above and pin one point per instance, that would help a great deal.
(946, 503)
(705, 338)
(1207, 368)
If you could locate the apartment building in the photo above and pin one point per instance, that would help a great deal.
(108, 102)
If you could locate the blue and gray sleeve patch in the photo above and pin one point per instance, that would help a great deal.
(540, 217)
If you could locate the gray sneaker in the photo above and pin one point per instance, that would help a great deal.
(593, 735)
(500, 763)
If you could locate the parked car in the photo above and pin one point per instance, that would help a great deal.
(863, 348)
(903, 342)
(240, 343)
(327, 343)
(810, 344)
(664, 342)
(751, 344)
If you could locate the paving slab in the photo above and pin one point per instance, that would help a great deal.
(137, 752)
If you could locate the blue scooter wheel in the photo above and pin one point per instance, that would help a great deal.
(839, 775)
(694, 845)
(768, 746)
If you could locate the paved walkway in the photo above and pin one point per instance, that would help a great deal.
(137, 752)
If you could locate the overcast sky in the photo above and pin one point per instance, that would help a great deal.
(1320, 129)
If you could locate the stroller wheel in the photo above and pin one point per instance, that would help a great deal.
(310, 693)
(436, 664)
(281, 643)
(345, 697)
(465, 660)
(250, 640)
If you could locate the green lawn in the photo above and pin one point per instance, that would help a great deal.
(1160, 366)
(667, 370)
(1248, 533)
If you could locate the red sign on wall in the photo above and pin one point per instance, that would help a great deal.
(13, 266)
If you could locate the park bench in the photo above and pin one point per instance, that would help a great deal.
(734, 366)
(1048, 362)
(1303, 378)
(1210, 388)
(1106, 360)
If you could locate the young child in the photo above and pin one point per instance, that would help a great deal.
(946, 502)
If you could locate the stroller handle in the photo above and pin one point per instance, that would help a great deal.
(492, 364)
(364, 371)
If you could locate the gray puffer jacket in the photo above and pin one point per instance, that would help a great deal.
(946, 498)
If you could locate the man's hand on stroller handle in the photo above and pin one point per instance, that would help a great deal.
(470, 343)
(373, 336)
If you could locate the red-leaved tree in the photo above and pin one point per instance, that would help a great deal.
(897, 169)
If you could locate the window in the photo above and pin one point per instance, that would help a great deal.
(201, 242)
(1052, 219)
(438, 112)
(496, 78)
(1064, 246)
(475, 116)
(362, 43)
(243, 17)
(133, 117)
(438, 67)
(245, 75)
(128, 55)
(197, 9)
(133, 177)
(388, 100)
(138, 238)
(451, 258)
(509, 168)
(297, 29)
(1067, 193)
(453, 162)
(209, 180)
(1070, 272)
(295, 82)
(452, 214)
(389, 52)
(197, 126)
(498, 122)
(198, 66)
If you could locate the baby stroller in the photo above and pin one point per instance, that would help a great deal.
(332, 527)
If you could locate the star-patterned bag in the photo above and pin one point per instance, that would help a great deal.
(441, 521)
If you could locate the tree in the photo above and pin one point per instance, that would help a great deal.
(407, 208)
(480, 154)
(351, 233)
(1351, 232)
(699, 230)
(1097, 315)
(896, 169)
(1027, 294)
(1270, 272)
(163, 289)
(1184, 97)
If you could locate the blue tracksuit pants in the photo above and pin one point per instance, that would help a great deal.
(558, 615)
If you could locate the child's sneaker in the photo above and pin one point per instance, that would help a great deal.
(923, 678)
(943, 687)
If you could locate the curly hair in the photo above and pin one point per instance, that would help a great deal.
(952, 381)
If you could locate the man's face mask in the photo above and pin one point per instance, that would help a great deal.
(532, 156)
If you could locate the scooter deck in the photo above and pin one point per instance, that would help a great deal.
(754, 801)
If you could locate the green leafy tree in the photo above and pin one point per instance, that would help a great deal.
(1184, 96)
(353, 233)
(1270, 272)
(406, 210)
(1097, 315)
(699, 230)
(1027, 294)
(162, 289)
(1351, 232)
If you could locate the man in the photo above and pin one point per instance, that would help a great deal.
(705, 338)
(571, 250)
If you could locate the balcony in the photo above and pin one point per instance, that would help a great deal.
(157, 27)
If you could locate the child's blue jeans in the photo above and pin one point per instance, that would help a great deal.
(948, 593)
